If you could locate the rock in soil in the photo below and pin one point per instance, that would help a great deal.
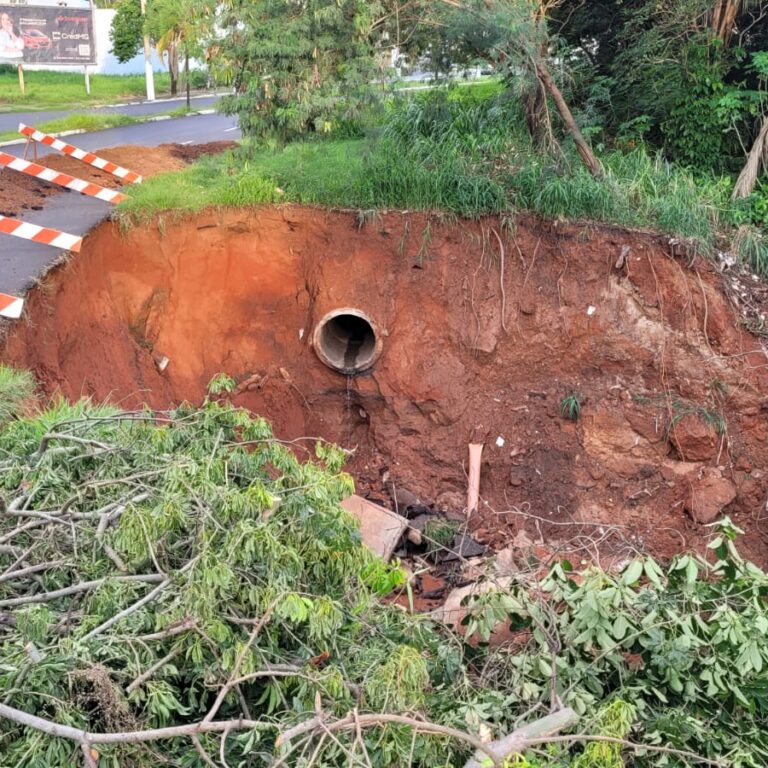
(710, 494)
(694, 439)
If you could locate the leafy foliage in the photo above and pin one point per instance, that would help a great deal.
(16, 388)
(298, 68)
(570, 406)
(236, 529)
(126, 30)
(257, 571)
(669, 640)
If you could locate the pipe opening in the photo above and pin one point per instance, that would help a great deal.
(346, 341)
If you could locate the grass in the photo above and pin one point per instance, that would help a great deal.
(570, 406)
(16, 389)
(465, 152)
(212, 181)
(66, 90)
(310, 173)
(83, 122)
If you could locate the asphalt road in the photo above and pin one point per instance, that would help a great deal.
(9, 121)
(21, 261)
(195, 129)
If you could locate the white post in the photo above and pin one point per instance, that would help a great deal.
(149, 75)
(87, 79)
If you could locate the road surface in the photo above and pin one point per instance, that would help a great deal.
(195, 129)
(21, 261)
(9, 121)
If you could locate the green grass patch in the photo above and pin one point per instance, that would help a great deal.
(66, 90)
(79, 122)
(466, 152)
(212, 181)
(16, 388)
(310, 173)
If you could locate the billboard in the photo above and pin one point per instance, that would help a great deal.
(38, 34)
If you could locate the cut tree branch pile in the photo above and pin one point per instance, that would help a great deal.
(157, 549)
(184, 578)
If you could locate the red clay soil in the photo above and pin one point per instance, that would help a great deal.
(654, 348)
(19, 192)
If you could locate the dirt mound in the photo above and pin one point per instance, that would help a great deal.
(190, 152)
(484, 330)
(19, 192)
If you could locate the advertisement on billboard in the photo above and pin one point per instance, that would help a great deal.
(37, 34)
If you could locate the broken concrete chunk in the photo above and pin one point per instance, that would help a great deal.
(419, 522)
(463, 546)
(452, 611)
(414, 537)
(505, 562)
(403, 499)
(379, 528)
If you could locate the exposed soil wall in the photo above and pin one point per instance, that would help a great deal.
(672, 428)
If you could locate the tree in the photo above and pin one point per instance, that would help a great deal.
(126, 30)
(299, 67)
(678, 75)
(174, 27)
(514, 35)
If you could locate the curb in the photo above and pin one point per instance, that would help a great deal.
(13, 142)
(77, 131)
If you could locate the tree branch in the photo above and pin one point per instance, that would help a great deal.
(83, 586)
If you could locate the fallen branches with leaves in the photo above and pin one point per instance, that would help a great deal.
(180, 589)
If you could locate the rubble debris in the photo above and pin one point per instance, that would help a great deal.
(463, 546)
(694, 439)
(380, 528)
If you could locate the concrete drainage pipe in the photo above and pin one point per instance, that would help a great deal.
(347, 341)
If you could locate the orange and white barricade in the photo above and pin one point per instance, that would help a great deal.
(54, 237)
(79, 154)
(62, 179)
(10, 306)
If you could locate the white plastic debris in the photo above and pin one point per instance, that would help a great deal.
(591, 310)
(500, 441)
(301, 334)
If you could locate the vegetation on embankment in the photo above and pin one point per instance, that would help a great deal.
(459, 152)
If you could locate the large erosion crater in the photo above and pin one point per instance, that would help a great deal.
(405, 337)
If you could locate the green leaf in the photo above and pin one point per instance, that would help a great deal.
(653, 573)
(620, 627)
(632, 572)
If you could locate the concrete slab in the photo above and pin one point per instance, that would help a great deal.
(380, 528)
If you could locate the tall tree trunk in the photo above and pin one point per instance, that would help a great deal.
(542, 72)
(173, 67)
(186, 73)
(536, 117)
(536, 112)
(758, 156)
(723, 18)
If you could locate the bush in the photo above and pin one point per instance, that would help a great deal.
(686, 644)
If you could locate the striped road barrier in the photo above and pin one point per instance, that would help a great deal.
(63, 179)
(79, 154)
(44, 235)
(10, 306)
